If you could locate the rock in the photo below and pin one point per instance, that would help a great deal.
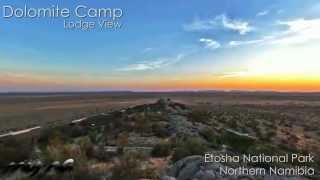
(205, 175)
(179, 124)
(180, 165)
(194, 168)
(137, 140)
(236, 133)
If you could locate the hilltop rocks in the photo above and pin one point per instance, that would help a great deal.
(161, 106)
(243, 135)
(135, 140)
(162, 132)
(170, 105)
(180, 125)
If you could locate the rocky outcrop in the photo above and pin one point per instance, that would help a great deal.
(136, 140)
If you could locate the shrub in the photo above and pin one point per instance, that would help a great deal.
(188, 147)
(49, 134)
(96, 135)
(209, 135)
(87, 146)
(122, 140)
(263, 149)
(238, 143)
(128, 167)
(160, 130)
(150, 173)
(55, 147)
(266, 149)
(58, 149)
(14, 150)
(199, 115)
(162, 149)
(142, 123)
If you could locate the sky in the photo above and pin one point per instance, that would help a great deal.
(168, 45)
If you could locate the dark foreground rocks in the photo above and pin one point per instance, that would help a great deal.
(194, 168)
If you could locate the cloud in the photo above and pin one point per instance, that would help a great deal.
(240, 26)
(297, 31)
(291, 61)
(263, 40)
(151, 65)
(148, 49)
(210, 43)
(233, 74)
(201, 25)
(142, 66)
(263, 13)
(219, 22)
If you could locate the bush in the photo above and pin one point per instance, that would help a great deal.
(238, 143)
(13, 150)
(209, 135)
(58, 150)
(142, 123)
(87, 146)
(122, 140)
(128, 168)
(266, 149)
(200, 115)
(161, 150)
(55, 148)
(160, 130)
(96, 135)
(188, 147)
(49, 134)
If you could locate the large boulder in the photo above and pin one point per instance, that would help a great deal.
(193, 167)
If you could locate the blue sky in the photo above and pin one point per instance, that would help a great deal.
(163, 45)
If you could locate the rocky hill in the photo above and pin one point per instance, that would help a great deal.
(165, 140)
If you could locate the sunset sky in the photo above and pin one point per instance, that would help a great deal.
(166, 45)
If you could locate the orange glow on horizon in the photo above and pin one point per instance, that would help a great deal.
(203, 82)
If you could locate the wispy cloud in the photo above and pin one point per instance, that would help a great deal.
(263, 40)
(233, 74)
(219, 22)
(210, 43)
(240, 26)
(151, 65)
(148, 49)
(263, 13)
(201, 25)
(298, 31)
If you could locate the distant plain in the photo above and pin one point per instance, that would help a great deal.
(24, 110)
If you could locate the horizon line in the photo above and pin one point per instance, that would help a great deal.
(157, 91)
